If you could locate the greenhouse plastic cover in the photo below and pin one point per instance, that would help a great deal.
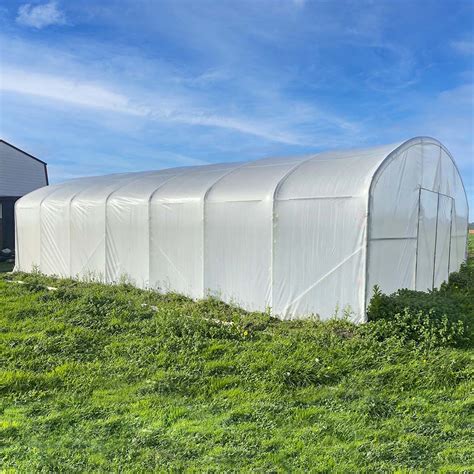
(299, 235)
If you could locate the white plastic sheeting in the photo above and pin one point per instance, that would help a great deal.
(305, 235)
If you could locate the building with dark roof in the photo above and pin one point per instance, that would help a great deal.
(20, 173)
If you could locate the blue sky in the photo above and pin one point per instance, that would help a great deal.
(112, 86)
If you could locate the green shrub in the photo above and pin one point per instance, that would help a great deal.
(424, 330)
(443, 316)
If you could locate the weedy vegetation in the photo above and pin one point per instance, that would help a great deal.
(112, 378)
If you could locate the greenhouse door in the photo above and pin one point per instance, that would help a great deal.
(434, 240)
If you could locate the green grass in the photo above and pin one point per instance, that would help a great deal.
(93, 378)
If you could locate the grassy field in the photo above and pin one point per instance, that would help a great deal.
(99, 378)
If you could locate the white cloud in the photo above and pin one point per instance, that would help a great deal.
(96, 96)
(40, 16)
(125, 82)
(65, 90)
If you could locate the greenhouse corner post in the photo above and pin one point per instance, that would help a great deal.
(450, 234)
(435, 243)
(417, 236)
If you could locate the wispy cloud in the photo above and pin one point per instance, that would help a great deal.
(40, 16)
(65, 90)
(463, 46)
(99, 97)
(299, 3)
(450, 118)
(123, 81)
(138, 84)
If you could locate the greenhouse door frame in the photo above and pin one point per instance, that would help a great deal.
(437, 248)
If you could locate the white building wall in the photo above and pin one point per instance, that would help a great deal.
(19, 173)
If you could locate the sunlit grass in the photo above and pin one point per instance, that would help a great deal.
(94, 379)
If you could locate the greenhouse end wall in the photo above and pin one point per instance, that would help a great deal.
(418, 219)
(299, 235)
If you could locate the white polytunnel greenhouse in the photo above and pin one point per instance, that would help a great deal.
(300, 236)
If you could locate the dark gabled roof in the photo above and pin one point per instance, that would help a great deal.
(22, 151)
